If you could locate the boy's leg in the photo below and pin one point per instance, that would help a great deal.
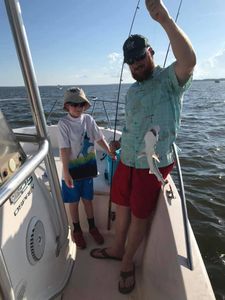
(72, 197)
(88, 208)
(73, 208)
(77, 231)
(93, 230)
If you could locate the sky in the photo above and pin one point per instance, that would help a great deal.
(80, 42)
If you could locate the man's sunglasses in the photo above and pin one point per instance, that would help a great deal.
(82, 104)
(131, 61)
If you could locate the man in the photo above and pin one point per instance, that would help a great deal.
(153, 101)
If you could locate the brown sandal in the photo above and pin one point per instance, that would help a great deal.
(124, 276)
(102, 254)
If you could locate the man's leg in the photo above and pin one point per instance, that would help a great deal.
(136, 234)
(119, 240)
(120, 195)
(122, 225)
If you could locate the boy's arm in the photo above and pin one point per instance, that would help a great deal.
(102, 143)
(65, 155)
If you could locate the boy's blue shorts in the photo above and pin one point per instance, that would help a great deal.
(82, 189)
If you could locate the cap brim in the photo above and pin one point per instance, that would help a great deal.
(87, 103)
(134, 54)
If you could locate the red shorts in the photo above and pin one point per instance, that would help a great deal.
(137, 189)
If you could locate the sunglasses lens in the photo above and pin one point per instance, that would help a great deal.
(131, 61)
(82, 104)
(141, 57)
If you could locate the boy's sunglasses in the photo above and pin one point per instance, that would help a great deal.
(131, 61)
(82, 104)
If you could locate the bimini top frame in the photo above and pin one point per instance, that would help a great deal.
(26, 65)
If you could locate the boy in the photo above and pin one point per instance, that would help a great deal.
(77, 133)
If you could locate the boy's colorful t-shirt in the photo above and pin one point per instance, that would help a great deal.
(79, 134)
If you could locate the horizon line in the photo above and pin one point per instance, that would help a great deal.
(91, 84)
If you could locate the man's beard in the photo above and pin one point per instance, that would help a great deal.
(143, 73)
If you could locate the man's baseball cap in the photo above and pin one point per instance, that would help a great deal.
(134, 47)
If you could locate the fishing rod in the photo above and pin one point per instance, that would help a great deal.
(168, 49)
(121, 73)
(115, 122)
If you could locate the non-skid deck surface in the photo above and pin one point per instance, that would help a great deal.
(95, 279)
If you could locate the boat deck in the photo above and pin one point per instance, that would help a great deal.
(87, 284)
(161, 261)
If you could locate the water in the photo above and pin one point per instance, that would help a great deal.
(201, 140)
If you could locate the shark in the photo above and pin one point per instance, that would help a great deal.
(151, 139)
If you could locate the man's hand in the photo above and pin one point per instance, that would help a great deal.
(157, 10)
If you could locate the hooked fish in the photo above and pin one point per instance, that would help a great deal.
(151, 138)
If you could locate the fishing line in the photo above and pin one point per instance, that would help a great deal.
(121, 73)
(168, 49)
(50, 113)
(115, 122)
(51, 110)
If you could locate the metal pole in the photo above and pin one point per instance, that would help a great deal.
(25, 170)
(26, 64)
(184, 209)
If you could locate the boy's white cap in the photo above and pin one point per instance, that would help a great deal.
(76, 95)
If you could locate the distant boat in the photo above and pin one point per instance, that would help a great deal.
(217, 81)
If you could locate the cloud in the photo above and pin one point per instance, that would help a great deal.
(114, 57)
(109, 73)
(213, 67)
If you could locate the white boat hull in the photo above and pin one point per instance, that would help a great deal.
(162, 271)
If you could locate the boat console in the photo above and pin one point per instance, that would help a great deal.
(12, 155)
(33, 243)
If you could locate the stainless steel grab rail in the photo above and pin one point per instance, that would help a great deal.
(26, 64)
(25, 170)
(184, 209)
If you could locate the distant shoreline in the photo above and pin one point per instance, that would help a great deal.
(210, 79)
(127, 83)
